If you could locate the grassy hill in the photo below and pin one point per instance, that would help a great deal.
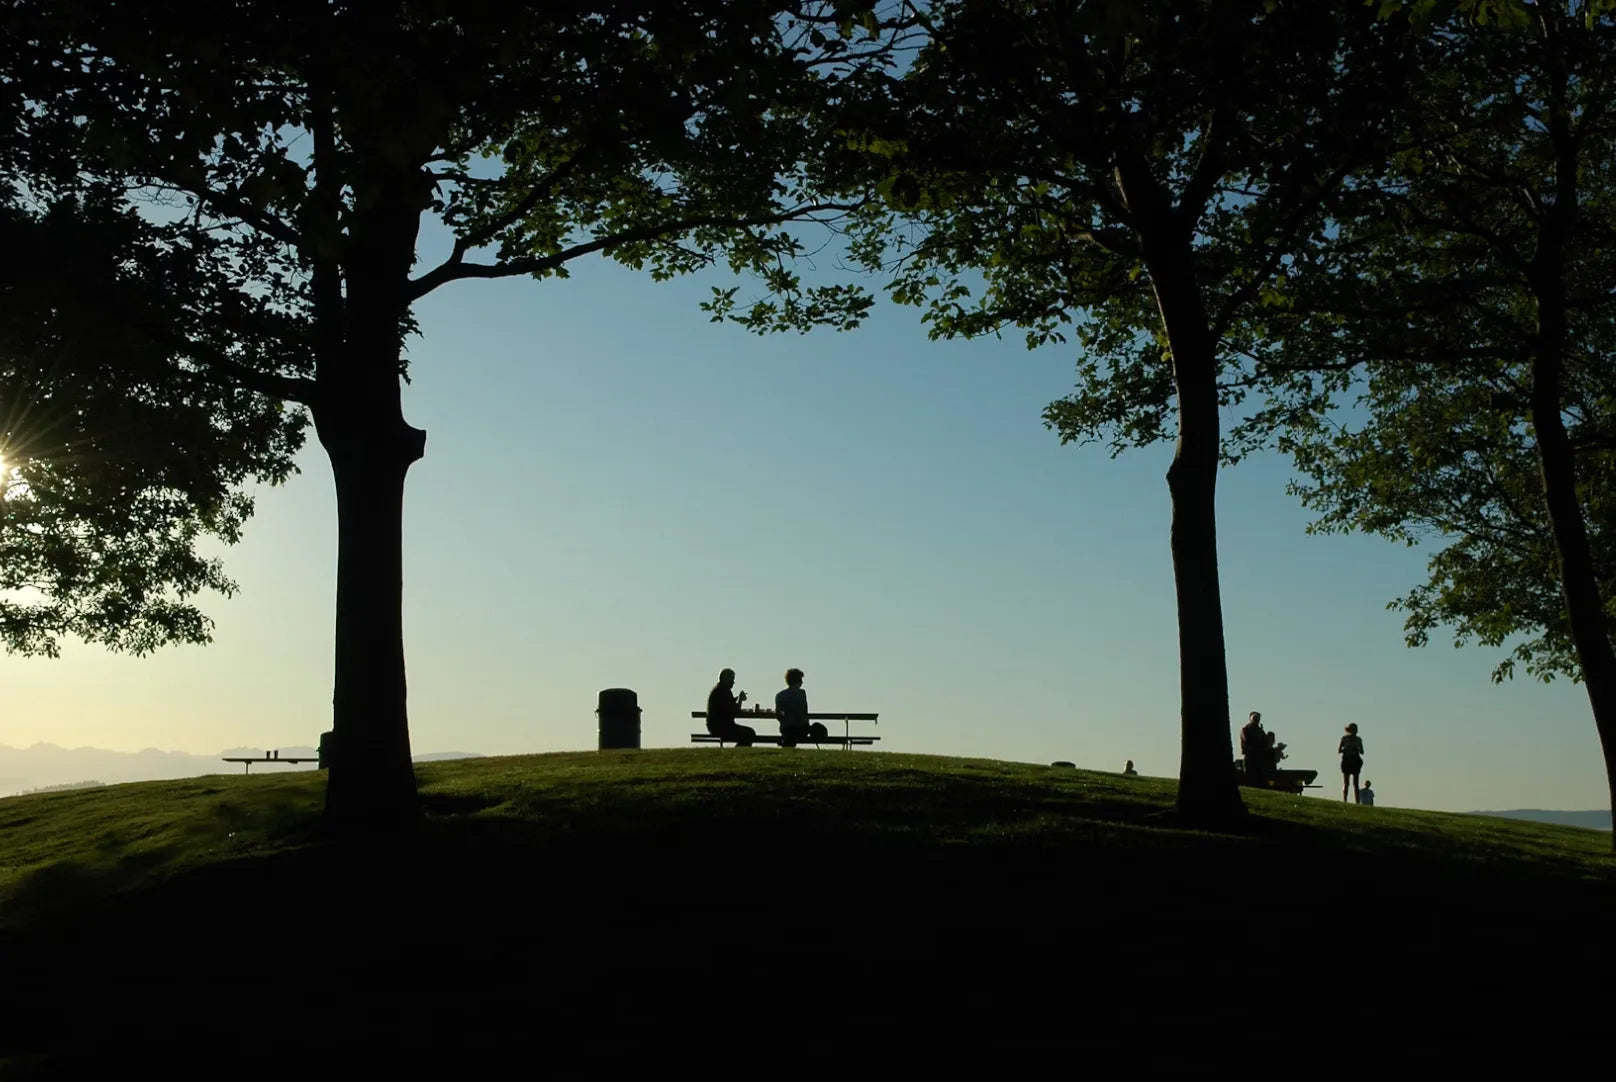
(747, 895)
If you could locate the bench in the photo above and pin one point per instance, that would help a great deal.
(247, 761)
(846, 740)
(764, 738)
(1279, 780)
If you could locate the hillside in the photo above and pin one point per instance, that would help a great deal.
(42, 766)
(1588, 820)
(638, 893)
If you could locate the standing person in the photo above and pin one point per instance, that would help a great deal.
(722, 706)
(791, 707)
(1351, 751)
(1366, 795)
(1254, 748)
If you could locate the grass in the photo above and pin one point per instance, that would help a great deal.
(541, 885)
(70, 848)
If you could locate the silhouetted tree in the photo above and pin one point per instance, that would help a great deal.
(1477, 287)
(127, 423)
(321, 135)
(1135, 173)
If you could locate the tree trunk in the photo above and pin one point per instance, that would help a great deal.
(359, 416)
(1207, 793)
(1578, 584)
(371, 782)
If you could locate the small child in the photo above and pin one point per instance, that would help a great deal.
(1366, 795)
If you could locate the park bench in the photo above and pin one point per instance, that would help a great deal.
(267, 757)
(1280, 780)
(845, 740)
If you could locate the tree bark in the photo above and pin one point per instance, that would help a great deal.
(1208, 795)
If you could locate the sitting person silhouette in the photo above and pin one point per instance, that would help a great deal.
(722, 706)
(1366, 795)
(791, 707)
(1128, 771)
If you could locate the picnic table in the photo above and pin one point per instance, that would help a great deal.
(1279, 780)
(846, 740)
(268, 757)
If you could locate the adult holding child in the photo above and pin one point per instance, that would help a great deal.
(1255, 749)
(1351, 751)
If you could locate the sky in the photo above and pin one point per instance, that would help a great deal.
(618, 493)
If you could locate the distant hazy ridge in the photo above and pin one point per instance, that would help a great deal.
(44, 765)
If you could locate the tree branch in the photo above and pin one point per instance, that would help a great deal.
(234, 206)
(454, 270)
(326, 276)
(1267, 371)
(1209, 168)
(1286, 234)
(541, 190)
(287, 388)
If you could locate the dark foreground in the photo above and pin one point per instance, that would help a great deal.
(469, 949)
(751, 913)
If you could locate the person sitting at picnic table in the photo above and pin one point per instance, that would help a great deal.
(1254, 748)
(791, 707)
(722, 706)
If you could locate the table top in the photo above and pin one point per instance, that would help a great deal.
(267, 759)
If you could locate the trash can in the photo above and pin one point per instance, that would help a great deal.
(619, 713)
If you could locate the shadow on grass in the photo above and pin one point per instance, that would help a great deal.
(562, 926)
(948, 900)
(450, 804)
(71, 885)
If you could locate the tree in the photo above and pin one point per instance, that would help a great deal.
(117, 452)
(1477, 287)
(1136, 175)
(319, 136)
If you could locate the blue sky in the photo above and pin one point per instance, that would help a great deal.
(617, 492)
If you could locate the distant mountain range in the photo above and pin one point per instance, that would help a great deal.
(45, 766)
(1593, 820)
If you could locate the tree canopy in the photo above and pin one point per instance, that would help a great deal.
(1476, 287)
(123, 441)
(1134, 177)
(313, 140)
(1434, 292)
